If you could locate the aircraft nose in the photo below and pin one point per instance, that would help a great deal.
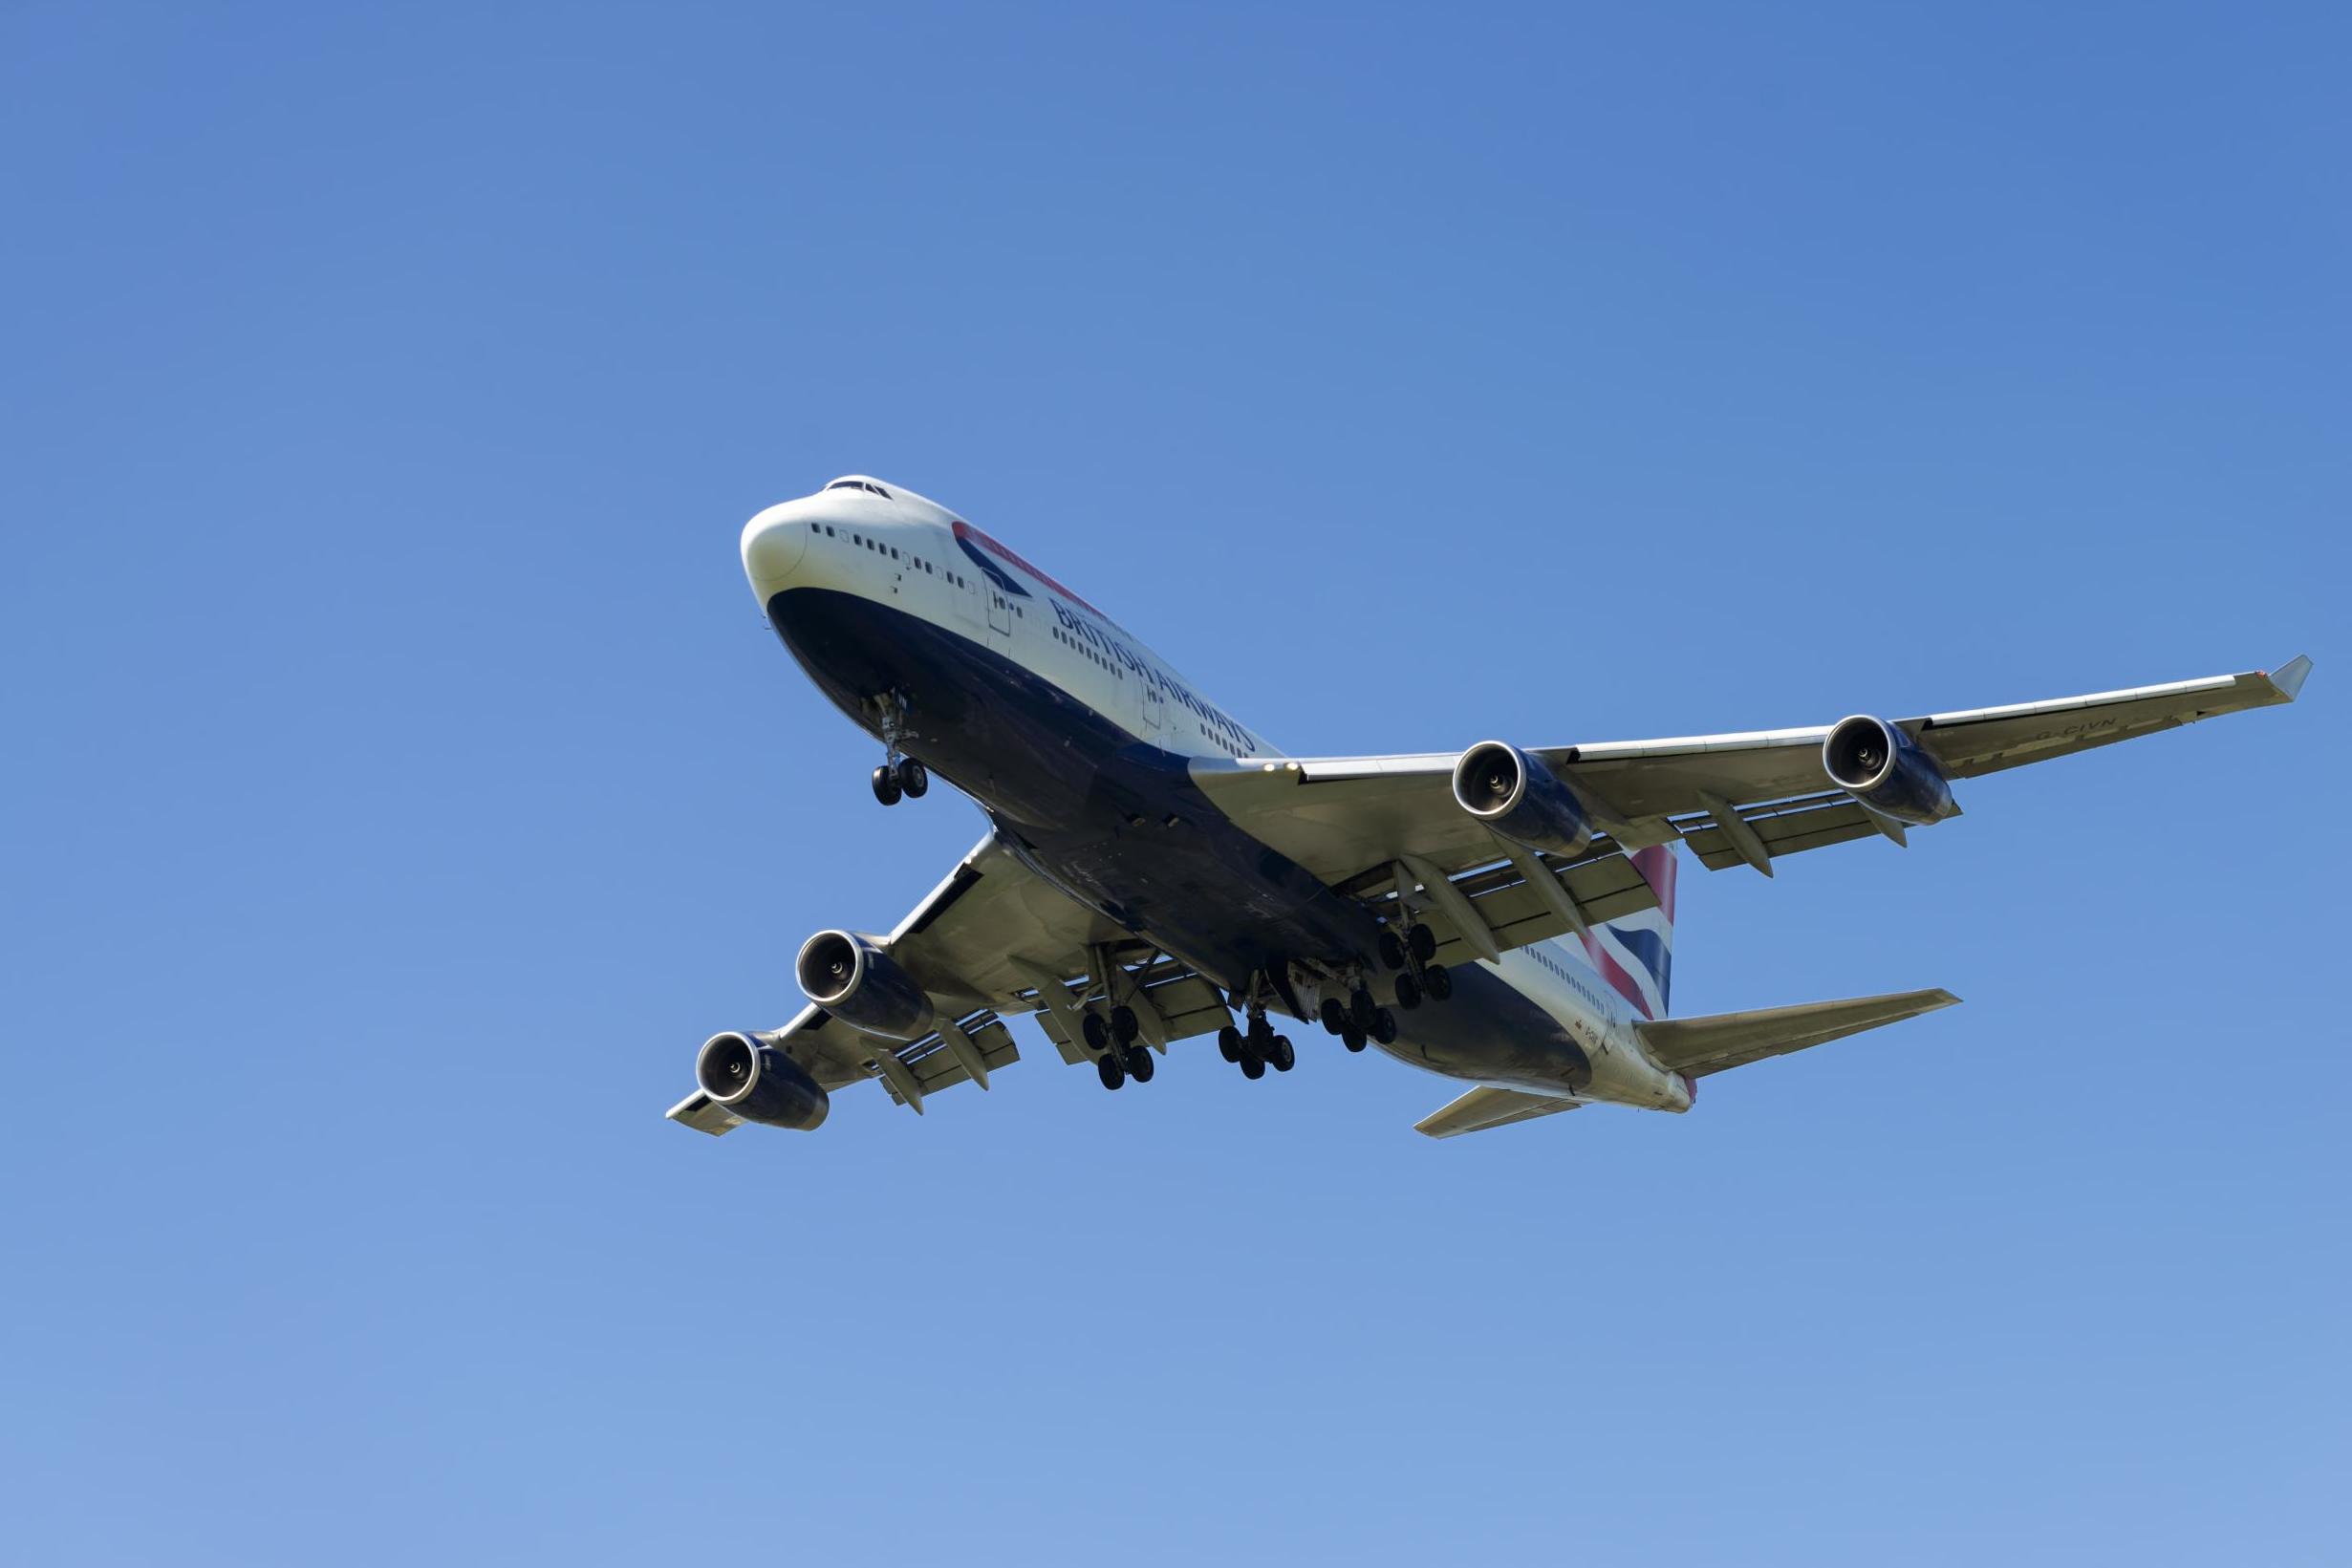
(773, 546)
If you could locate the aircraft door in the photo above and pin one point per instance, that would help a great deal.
(965, 593)
(1155, 707)
(1000, 611)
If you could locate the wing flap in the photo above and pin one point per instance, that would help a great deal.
(1488, 1106)
(1605, 886)
(1723, 1040)
(699, 1111)
(935, 1067)
(1787, 827)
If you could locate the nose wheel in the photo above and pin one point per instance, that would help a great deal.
(905, 777)
(899, 774)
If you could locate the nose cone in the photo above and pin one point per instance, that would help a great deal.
(774, 543)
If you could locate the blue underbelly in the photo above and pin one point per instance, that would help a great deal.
(1118, 824)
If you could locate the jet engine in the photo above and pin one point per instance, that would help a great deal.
(754, 1079)
(1517, 796)
(862, 985)
(1887, 770)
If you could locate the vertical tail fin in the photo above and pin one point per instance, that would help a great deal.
(1636, 954)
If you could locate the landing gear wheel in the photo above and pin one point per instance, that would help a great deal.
(1353, 1038)
(1139, 1063)
(1334, 1015)
(886, 785)
(1360, 1010)
(1435, 983)
(912, 778)
(1408, 992)
(1420, 938)
(1283, 1057)
(1391, 951)
(1107, 1069)
(1098, 1033)
(1229, 1044)
(1383, 1026)
(1123, 1025)
(1253, 1065)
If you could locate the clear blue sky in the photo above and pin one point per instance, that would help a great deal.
(401, 782)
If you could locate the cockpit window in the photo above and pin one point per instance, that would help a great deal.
(866, 484)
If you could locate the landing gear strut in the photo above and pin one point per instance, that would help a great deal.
(899, 774)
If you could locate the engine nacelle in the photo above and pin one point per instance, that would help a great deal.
(1887, 770)
(862, 985)
(1517, 796)
(755, 1079)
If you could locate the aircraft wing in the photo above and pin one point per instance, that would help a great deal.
(992, 940)
(1744, 798)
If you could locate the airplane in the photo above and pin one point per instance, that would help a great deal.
(1155, 870)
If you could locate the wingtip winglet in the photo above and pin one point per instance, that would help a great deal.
(2289, 676)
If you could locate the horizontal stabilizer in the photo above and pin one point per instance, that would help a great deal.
(1487, 1106)
(1701, 1046)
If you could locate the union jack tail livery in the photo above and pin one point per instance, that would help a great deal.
(1636, 954)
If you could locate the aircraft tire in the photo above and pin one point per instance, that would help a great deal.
(886, 785)
(1334, 1015)
(1391, 951)
(1435, 983)
(1383, 1026)
(1253, 1065)
(1408, 992)
(1423, 941)
(1123, 1025)
(1107, 1069)
(1282, 1057)
(1229, 1044)
(1096, 1032)
(1139, 1065)
(1352, 1038)
(912, 778)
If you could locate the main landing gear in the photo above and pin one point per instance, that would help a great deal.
(1112, 1039)
(1359, 1020)
(1409, 957)
(1257, 1049)
(899, 774)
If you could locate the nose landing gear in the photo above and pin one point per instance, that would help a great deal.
(899, 774)
(905, 777)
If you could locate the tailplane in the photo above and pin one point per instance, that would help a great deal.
(1695, 1048)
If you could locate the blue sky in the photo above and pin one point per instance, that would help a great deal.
(401, 781)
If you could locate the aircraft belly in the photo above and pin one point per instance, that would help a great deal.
(1112, 820)
(1490, 1031)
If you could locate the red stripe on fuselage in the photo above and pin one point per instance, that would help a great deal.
(965, 531)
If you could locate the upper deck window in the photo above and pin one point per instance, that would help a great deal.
(866, 484)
